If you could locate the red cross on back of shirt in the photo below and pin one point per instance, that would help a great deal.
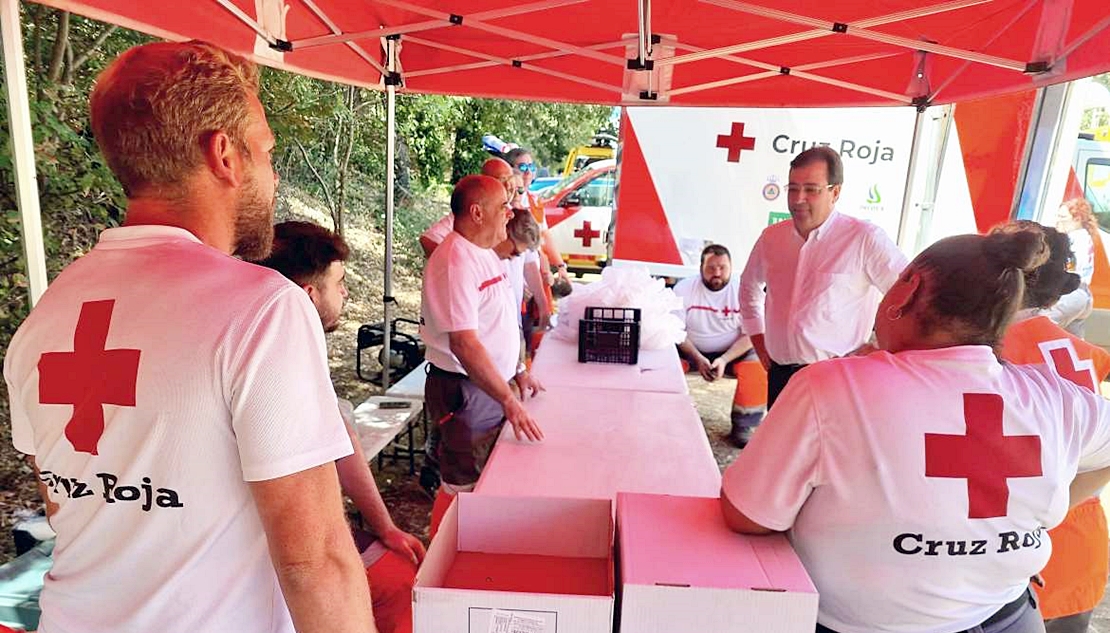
(89, 377)
(735, 142)
(1063, 360)
(984, 456)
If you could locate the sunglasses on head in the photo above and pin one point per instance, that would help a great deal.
(525, 167)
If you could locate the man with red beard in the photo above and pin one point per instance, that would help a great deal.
(175, 400)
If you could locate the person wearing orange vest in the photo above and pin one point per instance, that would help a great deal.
(1075, 577)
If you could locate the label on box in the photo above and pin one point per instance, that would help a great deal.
(502, 621)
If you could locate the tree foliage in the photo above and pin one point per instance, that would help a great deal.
(330, 143)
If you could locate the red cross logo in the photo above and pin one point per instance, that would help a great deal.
(586, 233)
(984, 457)
(735, 142)
(1061, 355)
(89, 377)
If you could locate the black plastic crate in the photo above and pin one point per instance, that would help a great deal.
(609, 335)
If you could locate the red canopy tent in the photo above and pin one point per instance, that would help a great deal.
(769, 53)
(680, 52)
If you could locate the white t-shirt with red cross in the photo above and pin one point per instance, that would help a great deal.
(466, 288)
(918, 487)
(155, 378)
(712, 317)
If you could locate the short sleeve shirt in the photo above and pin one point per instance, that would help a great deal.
(155, 378)
(712, 316)
(466, 288)
(918, 487)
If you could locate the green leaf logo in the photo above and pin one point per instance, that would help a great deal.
(873, 196)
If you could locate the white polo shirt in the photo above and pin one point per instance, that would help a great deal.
(155, 378)
(466, 288)
(918, 487)
(822, 292)
(712, 316)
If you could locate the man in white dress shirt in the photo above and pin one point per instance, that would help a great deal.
(811, 285)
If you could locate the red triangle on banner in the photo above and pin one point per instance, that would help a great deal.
(643, 232)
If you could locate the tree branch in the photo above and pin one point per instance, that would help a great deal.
(80, 60)
(319, 178)
(57, 58)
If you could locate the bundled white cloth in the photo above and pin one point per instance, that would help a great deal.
(627, 287)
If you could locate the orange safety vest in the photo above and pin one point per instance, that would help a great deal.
(536, 208)
(1075, 577)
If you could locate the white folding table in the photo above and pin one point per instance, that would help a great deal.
(599, 442)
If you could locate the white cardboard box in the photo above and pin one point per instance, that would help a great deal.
(683, 569)
(548, 561)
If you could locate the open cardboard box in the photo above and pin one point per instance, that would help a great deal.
(683, 569)
(547, 561)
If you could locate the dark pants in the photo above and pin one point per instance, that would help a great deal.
(1078, 623)
(777, 377)
(1020, 616)
(468, 421)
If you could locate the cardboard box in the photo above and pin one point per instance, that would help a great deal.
(683, 569)
(547, 562)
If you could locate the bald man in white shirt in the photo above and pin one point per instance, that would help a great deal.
(811, 285)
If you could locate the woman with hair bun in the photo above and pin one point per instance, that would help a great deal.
(916, 482)
(1075, 577)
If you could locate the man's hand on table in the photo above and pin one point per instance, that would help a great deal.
(526, 383)
(524, 425)
(404, 544)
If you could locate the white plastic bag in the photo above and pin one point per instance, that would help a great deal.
(626, 287)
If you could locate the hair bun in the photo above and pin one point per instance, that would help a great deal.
(1023, 250)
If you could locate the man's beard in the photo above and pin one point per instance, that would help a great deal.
(715, 284)
(254, 223)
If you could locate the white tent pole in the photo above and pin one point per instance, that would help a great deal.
(390, 177)
(875, 36)
(819, 33)
(496, 61)
(911, 174)
(437, 23)
(508, 62)
(23, 149)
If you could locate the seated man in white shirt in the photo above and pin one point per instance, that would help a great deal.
(469, 325)
(715, 343)
(312, 257)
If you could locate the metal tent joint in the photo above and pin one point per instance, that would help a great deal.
(392, 78)
(1037, 68)
(840, 27)
(456, 19)
(649, 95)
(518, 64)
(641, 64)
(784, 70)
(921, 103)
(284, 46)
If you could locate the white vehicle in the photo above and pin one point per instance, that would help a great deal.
(578, 210)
